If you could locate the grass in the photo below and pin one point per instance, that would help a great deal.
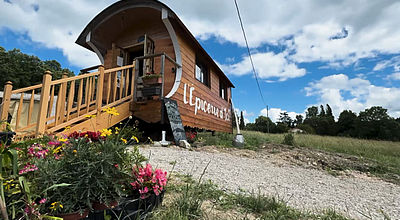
(382, 157)
(188, 200)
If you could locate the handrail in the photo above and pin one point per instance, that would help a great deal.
(59, 81)
(157, 55)
(118, 68)
(21, 90)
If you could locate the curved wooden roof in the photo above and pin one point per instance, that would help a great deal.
(123, 5)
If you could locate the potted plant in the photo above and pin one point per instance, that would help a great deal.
(144, 191)
(151, 79)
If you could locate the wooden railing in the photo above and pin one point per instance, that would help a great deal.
(67, 101)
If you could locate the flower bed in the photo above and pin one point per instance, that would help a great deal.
(69, 174)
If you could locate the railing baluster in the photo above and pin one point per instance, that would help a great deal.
(88, 93)
(79, 101)
(20, 106)
(126, 82)
(51, 102)
(70, 98)
(121, 84)
(115, 87)
(63, 97)
(108, 90)
(100, 85)
(31, 104)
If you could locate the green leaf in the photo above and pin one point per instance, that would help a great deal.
(55, 186)
(51, 217)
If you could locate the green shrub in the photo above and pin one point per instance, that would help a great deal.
(288, 139)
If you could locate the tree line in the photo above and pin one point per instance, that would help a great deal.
(24, 70)
(372, 123)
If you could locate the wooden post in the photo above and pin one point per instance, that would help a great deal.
(5, 103)
(44, 102)
(99, 92)
(62, 93)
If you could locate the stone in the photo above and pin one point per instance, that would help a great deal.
(184, 144)
(238, 140)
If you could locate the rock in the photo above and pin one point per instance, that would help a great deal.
(157, 144)
(184, 144)
(238, 141)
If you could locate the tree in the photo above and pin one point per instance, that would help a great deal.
(261, 124)
(311, 112)
(241, 124)
(375, 113)
(375, 123)
(312, 117)
(26, 70)
(284, 118)
(299, 120)
(329, 112)
(322, 112)
(347, 122)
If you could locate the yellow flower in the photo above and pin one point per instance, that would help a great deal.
(75, 151)
(56, 205)
(63, 139)
(124, 140)
(57, 150)
(90, 116)
(135, 138)
(111, 111)
(105, 132)
(8, 184)
(67, 128)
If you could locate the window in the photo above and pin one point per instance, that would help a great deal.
(223, 90)
(202, 73)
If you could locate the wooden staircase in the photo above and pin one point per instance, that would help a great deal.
(76, 103)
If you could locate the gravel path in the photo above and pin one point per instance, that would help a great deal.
(306, 189)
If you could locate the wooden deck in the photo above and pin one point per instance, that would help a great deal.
(75, 102)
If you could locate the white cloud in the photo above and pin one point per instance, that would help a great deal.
(309, 25)
(268, 65)
(393, 62)
(274, 113)
(246, 115)
(356, 94)
(394, 76)
(315, 28)
(53, 24)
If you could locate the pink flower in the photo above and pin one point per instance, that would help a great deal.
(149, 170)
(145, 190)
(55, 143)
(28, 168)
(42, 201)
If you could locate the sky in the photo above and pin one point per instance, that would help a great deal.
(306, 52)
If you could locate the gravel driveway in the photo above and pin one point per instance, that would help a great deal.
(358, 197)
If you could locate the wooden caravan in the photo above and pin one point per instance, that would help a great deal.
(150, 33)
(148, 58)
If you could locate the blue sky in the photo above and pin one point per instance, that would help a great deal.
(306, 52)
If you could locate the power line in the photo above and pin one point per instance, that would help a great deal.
(250, 57)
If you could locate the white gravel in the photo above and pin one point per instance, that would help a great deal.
(306, 189)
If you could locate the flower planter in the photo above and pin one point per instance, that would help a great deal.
(102, 206)
(75, 215)
(130, 208)
(152, 80)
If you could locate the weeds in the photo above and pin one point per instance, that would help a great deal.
(189, 197)
(380, 158)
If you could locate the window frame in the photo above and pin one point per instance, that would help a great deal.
(205, 70)
(223, 90)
